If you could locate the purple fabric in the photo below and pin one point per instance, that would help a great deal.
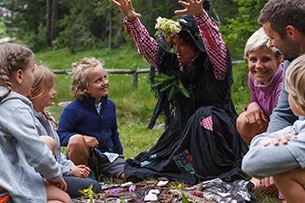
(266, 95)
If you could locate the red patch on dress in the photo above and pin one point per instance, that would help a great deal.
(207, 123)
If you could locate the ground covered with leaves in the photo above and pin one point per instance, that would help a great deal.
(165, 191)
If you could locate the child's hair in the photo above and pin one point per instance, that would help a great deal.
(12, 58)
(43, 83)
(257, 40)
(80, 71)
(295, 81)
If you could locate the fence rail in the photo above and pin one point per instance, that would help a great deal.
(133, 73)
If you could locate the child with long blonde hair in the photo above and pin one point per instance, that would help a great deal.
(42, 95)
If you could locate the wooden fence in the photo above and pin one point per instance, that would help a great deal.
(133, 73)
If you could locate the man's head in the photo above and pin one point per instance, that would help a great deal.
(283, 22)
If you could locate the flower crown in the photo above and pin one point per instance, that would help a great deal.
(167, 27)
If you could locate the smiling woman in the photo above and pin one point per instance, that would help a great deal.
(264, 81)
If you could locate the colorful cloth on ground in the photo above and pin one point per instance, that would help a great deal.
(239, 191)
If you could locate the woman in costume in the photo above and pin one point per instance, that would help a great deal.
(200, 141)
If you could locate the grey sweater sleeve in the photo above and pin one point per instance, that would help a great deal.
(264, 161)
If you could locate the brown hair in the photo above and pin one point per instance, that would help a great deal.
(12, 58)
(281, 13)
(43, 83)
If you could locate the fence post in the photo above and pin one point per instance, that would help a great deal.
(134, 78)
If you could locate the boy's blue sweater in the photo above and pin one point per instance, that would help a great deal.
(81, 117)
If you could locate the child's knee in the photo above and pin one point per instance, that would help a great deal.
(76, 141)
(50, 142)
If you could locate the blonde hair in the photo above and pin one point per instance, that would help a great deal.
(43, 83)
(295, 81)
(80, 71)
(12, 58)
(257, 40)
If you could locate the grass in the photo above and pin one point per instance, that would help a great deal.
(134, 105)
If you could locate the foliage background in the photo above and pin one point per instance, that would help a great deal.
(82, 24)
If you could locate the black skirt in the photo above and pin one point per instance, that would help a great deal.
(208, 147)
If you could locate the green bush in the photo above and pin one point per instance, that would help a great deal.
(36, 42)
(2, 29)
(240, 90)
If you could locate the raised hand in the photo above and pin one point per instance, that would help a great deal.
(192, 7)
(126, 9)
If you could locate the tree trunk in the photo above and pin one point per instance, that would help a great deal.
(51, 21)
(48, 23)
(110, 29)
(32, 22)
(54, 19)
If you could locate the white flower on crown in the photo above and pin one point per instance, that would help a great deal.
(167, 27)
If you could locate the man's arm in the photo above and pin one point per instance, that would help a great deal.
(282, 116)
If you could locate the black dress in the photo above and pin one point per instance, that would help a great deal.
(201, 141)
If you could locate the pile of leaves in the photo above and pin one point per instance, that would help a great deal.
(161, 191)
(165, 191)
